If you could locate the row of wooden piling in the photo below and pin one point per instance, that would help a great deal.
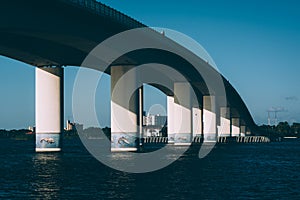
(156, 140)
(244, 139)
(221, 139)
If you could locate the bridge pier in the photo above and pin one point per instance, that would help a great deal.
(49, 111)
(243, 130)
(224, 129)
(170, 119)
(124, 109)
(197, 122)
(209, 119)
(235, 127)
(182, 114)
(248, 131)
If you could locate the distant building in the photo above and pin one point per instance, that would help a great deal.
(74, 126)
(151, 131)
(32, 129)
(148, 120)
(154, 120)
(153, 125)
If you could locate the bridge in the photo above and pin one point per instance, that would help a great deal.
(52, 34)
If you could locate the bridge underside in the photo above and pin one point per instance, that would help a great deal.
(34, 29)
(63, 32)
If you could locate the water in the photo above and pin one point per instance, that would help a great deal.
(239, 171)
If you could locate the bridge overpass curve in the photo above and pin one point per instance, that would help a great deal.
(64, 32)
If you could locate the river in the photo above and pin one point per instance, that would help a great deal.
(230, 171)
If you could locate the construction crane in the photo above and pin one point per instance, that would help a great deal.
(274, 110)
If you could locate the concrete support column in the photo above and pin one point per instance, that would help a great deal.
(170, 119)
(243, 130)
(224, 129)
(182, 114)
(141, 110)
(248, 131)
(235, 127)
(49, 111)
(209, 119)
(124, 109)
(197, 122)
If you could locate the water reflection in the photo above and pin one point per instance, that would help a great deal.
(265, 171)
(120, 185)
(46, 173)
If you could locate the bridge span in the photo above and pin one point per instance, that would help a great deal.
(52, 34)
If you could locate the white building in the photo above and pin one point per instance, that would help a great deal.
(154, 120)
(153, 125)
(74, 126)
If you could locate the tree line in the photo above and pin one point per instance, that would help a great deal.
(282, 129)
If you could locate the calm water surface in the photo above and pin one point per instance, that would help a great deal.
(240, 171)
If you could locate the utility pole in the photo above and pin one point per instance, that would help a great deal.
(274, 110)
(269, 120)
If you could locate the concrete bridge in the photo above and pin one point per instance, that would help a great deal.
(52, 34)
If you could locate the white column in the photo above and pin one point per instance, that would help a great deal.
(197, 122)
(248, 131)
(182, 114)
(124, 109)
(170, 119)
(209, 119)
(224, 129)
(49, 112)
(235, 127)
(141, 110)
(243, 130)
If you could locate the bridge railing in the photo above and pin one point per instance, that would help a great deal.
(107, 11)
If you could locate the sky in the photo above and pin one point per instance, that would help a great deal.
(255, 45)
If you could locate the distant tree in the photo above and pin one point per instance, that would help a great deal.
(268, 131)
(107, 132)
(295, 129)
(283, 128)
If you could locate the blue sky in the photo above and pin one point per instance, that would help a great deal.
(255, 45)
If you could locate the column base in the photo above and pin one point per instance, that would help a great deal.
(123, 149)
(171, 138)
(183, 138)
(183, 144)
(122, 142)
(41, 150)
(47, 142)
(210, 137)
